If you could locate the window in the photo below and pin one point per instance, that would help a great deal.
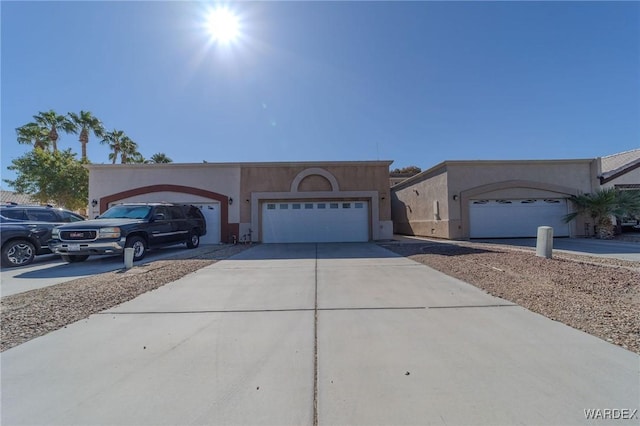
(359, 205)
(284, 206)
(69, 217)
(176, 212)
(308, 206)
(42, 215)
(552, 201)
(333, 205)
(162, 213)
(271, 206)
(528, 201)
(17, 214)
(295, 206)
(322, 206)
(346, 205)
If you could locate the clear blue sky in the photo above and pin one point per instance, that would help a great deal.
(414, 82)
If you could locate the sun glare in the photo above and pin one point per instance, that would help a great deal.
(223, 25)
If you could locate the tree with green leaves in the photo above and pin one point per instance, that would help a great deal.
(129, 151)
(604, 204)
(406, 171)
(160, 157)
(114, 140)
(33, 134)
(87, 123)
(54, 122)
(51, 177)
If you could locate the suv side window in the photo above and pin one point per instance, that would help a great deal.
(69, 217)
(176, 212)
(193, 212)
(162, 210)
(42, 215)
(17, 214)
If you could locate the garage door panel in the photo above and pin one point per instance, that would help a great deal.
(297, 222)
(516, 218)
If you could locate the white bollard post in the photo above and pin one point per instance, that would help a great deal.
(128, 258)
(544, 243)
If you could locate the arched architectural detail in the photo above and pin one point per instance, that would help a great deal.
(225, 230)
(468, 193)
(315, 171)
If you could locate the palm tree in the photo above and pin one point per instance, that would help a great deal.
(114, 140)
(128, 150)
(32, 133)
(604, 204)
(87, 123)
(53, 121)
(160, 157)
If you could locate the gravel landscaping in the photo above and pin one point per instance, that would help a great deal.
(600, 296)
(597, 295)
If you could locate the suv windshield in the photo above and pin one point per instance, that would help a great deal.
(126, 212)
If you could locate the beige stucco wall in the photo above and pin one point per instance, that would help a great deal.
(413, 209)
(109, 179)
(368, 180)
(359, 179)
(414, 213)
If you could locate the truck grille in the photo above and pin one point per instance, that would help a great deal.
(78, 235)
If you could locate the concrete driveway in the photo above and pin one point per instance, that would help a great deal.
(322, 334)
(48, 270)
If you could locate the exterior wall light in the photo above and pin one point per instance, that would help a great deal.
(230, 200)
(94, 202)
(455, 197)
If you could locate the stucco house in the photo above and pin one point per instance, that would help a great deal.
(502, 199)
(266, 202)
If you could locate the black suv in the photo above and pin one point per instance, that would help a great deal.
(139, 225)
(12, 213)
(26, 231)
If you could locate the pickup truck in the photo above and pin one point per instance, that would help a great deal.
(139, 225)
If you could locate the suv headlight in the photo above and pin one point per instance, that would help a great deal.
(109, 232)
(55, 233)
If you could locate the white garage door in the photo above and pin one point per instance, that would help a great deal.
(319, 222)
(516, 218)
(211, 213)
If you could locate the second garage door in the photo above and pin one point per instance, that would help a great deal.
(303, 222)
(516, 218)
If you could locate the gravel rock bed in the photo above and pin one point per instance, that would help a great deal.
(600, 296)
(27, 315)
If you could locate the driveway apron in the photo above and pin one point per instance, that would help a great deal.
(305, 334)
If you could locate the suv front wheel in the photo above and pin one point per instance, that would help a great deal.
(18, 253)
(139, 246)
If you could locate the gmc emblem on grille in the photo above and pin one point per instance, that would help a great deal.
(76, 234)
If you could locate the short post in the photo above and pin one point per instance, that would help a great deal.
(128, 258)
(544, 243)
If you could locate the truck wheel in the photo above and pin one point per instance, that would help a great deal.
(18, 253)
(74, 258)
(139, 246)
(194, 240)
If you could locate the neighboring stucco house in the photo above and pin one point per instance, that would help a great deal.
(267, 202)
(493, 199)
(621, 171)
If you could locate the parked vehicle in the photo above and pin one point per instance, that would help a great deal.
(26, 231)
(139, 225)
(21, 242)
(26, 213)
